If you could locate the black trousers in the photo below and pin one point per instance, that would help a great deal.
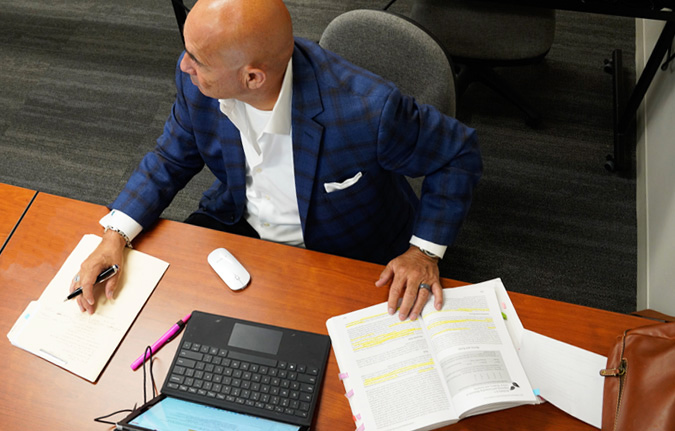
(240, 228)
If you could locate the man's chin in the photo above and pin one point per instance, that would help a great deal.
(199, 87)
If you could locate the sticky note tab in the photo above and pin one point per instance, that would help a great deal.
(343, 376)
(350, 393)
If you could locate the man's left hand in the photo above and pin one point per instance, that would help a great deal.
(406, 273)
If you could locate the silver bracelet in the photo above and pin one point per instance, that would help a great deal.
(122, 234)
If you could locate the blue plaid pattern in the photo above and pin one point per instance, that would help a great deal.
(345, 120)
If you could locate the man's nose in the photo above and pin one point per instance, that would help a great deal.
(186, 65)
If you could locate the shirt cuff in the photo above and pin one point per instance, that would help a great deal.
(438, 250)
(117, 220)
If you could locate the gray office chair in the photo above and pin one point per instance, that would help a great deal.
(398, 50)
(481, 35)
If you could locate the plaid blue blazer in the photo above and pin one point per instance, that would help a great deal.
(345, 120)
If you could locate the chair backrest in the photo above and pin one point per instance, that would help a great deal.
(398, 50)
(487, 30)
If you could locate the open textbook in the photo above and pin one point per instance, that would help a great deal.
(56, 330)
(469, 358)
(424, 374)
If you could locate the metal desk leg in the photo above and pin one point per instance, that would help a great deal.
(625, 116)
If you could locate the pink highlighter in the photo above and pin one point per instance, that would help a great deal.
(168, 336)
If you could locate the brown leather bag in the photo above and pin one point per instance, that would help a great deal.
(639, 391)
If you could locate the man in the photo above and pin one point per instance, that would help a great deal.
(307, 150)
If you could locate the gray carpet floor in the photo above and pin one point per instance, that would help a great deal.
(87, 85)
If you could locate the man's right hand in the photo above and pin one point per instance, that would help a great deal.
(109, 252)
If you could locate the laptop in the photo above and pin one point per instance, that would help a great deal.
(231, 372)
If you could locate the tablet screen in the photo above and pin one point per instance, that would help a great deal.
(172, 414)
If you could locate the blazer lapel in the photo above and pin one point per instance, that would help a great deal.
(307, 133)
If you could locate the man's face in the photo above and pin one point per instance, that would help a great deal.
(217, 74)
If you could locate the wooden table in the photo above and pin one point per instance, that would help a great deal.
(291, 287)
(13, 202)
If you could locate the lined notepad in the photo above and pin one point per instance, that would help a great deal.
(77, 341)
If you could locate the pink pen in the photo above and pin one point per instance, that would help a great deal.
(168, 336)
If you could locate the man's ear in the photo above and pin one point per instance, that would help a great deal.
(255, 78)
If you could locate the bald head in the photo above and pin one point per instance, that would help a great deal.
(251, 37)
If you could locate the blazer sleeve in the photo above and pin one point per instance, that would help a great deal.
(418, 140)
(167, 169)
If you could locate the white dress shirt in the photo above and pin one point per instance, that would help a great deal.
(272, 204)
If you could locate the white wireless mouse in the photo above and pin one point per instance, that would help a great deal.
(229, 269)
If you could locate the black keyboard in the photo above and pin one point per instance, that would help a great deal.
(249, 380)
(257, 384)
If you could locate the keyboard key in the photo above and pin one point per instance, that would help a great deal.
(185, 353)
(188, 363)
(176, 379)
(306, 378)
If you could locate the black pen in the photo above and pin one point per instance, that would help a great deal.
(106, 274)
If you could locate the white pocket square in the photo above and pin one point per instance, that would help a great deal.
(332, 187)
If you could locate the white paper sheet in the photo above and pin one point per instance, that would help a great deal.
(567, 376)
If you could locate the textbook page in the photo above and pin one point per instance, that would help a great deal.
(391, 380)
(76, 341)
(475, 352)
